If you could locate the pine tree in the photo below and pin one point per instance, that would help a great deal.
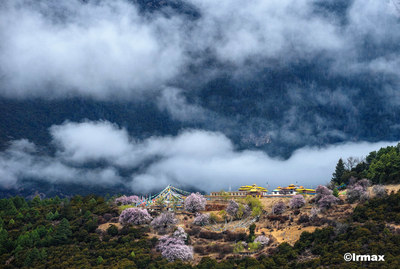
(63, 231)
(339, 171)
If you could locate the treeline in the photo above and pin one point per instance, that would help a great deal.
(381, 167)
(63, 233)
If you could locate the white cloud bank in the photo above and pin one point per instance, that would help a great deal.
(93, 49)
(205, 160)
(106, 49)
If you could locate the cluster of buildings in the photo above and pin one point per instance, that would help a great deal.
(292, 190)
(256, 191)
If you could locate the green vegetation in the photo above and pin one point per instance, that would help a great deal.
(381, 167)
(384, 165)
(31, 237)
(386, 209)
(337, 176)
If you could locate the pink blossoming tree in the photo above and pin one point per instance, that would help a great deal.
(173, 247)
(201, 219)
(297, 201)
(195, 202)
(262, 239)
(127, 200)
(164, 221)
(135, 216)
(279, 208)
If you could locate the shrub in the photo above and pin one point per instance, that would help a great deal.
(226, 249)
(327, 201)
(232, 208)
(341, 228)
(112, 230)
(195, 202)
(253, 202)
(279, 208)
(282, 219)
(238, 247)
(263, 240)
(134, 216)
(194, 231)
(256, 212)
(232, 236)
(297, 201)
(201, 219)
(164, 221)
(214, 217)
(200, 249)
(210, 235)
(244, 211)
(304, 218)
(254, 246)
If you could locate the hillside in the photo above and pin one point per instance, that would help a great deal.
(87, 231)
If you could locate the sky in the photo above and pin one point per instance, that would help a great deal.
(257, 91)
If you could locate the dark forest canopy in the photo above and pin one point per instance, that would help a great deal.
(381, 167)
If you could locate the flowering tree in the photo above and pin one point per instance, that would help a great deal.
(279, 208)
(327, 201)
(176, 251)
(379, 191)
(358, 191)
(201, 219)
(321, 192)
(164, 221)
(365, 183)
(127, 200)
(173, 247)
(263, 240)
(244, 211)
(180, 234)
(232, 208)
(134, 216)
(297, 201)
(195, 202)
(314, 213)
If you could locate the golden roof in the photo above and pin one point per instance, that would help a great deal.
(252, 188)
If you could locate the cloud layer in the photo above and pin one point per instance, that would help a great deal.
(93, 49)
(231, 79)
(109, 49)
(194, 158)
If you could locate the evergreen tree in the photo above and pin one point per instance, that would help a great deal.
(8, 208)
(339, 171)
(335, 192)
(252, 230)
(63, 231)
